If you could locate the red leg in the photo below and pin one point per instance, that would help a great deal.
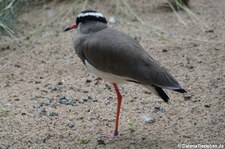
(119, 100)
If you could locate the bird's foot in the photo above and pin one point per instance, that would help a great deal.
(112, 134)
(116, 133)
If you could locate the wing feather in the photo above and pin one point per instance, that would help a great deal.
(114, 52)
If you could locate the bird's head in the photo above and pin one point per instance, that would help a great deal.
(86, 16)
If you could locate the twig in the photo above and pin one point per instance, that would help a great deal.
(85, 4)
(133, 13)
(191, 15)
(10, 32)
(117, 7)
(157, 31)
(175, 12)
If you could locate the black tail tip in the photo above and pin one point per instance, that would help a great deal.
(180, 90)
(161, 93)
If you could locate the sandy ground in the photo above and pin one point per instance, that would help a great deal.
(49, 100)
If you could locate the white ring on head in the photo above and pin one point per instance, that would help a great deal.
(96, 14)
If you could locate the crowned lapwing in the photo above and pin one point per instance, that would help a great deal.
(117, 58)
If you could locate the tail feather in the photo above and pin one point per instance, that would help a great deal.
(159, 91)
(180, 90)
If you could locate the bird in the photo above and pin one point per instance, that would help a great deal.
(114, 56)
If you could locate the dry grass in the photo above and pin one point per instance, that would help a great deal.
(10, 9)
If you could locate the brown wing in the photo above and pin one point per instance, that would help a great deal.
(114, 52)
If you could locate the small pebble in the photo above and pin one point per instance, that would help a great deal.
(90, 98)
(88, 81)
(71, 102)
(62, 96)
(60, 82)
(43, 62)
(187, 96)
(39, 105)
(55, 88)
(46, 85)
(85, 91)
(53, 114)
(196, 100)
(143, 138)
(88, 110)
(132, 100)
(17, 99)
(44, 90)
(83, 100)
(207, 106)
(147, 118)
(144, 102)
(107, 102)
(112, 19)
(164, 50)
(71, 124)
(42, 111)
(37, 82)
(108, 86)
(137, 39)
(101, 142)
(189, 66)
(217, 49)
(95, 100)
(67, 101)
(17, 65)
(209, 31)
(159, 109)
(195, 44)
(110, 98)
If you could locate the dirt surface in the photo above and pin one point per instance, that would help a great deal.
(49, 100)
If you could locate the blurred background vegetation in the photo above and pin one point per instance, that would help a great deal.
(11, 9)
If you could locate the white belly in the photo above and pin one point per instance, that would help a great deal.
(107, 76)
